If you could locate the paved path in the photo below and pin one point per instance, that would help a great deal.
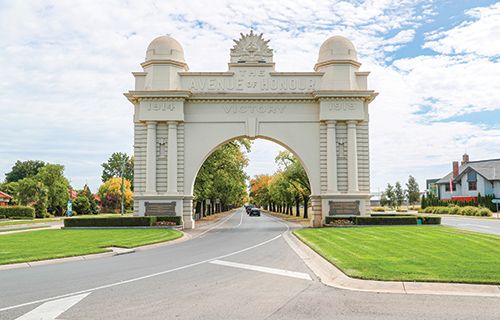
(473, 224)
(238, 268)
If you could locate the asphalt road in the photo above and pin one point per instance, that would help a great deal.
(473, 224)
(240, 269)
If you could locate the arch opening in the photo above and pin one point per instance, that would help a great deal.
(280, 184)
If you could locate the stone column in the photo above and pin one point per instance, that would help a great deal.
(317, 215)
(187, 212)
(151, 158)
(352, 157)
(331, 157)
(172, 157)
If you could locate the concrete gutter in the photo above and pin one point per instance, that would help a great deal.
(332, 276)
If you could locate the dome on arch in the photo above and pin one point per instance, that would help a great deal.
(165, 47)
(337, 48)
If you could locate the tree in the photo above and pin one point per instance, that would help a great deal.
(296, 175)
(85, 192)
(390, 196)
(52, 176)
(399, 194)
(33, 193)
(383, 199)
(110, 193)
(222, 178)
(412, 190)
(81, 205)
(24, 169)
(113, 167)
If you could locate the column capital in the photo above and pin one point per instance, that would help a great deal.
(352, 123)
(331, 123)
(151, 123)
(172, 122)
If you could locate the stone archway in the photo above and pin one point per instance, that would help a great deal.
(180, 116)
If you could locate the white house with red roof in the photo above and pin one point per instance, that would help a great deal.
(4, 199)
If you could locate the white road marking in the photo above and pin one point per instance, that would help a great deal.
(52, 309)
(140, 278)
(280, 272)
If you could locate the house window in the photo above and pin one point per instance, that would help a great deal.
(447, 187)
(472, 180)
(472, 185)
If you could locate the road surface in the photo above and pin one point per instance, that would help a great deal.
(241, 268)
(473, 224)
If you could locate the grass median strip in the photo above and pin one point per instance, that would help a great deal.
(409, 253)
(52, 244)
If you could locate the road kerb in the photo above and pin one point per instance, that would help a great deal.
(332, 276)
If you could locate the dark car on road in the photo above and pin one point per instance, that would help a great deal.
(249, 208)
(254, 212)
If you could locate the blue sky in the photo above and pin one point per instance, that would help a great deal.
(65, 65)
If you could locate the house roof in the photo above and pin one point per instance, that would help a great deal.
(489, 169)
(4, 195)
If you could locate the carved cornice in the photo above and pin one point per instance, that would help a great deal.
(367, 95)
(330, 62)
(165, 61)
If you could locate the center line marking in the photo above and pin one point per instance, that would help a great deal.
(280, 272)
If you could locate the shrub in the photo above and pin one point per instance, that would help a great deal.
(485, 212)
(2, 217)
(430, 220)
(404, 220)
(454, 210)
(176, 220)
(110, 222)
(468, 211)
(18, 212)
(378, 209)
(81, 204)
(401, 210)
(334, 219)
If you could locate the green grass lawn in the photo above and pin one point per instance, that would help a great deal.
(429, 253)
(51, 244)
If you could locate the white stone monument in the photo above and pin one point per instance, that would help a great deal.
(181, 117)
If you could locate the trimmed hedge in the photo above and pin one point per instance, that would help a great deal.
(391, 221)
(379, 220)
(110, 222)
(430, 220)
(175, 219)
(18, 212)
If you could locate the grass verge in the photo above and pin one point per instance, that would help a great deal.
(21, 228)
(52, 244)
(409, 253)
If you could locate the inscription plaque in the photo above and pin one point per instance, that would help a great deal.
(160, 208)
(343, 208)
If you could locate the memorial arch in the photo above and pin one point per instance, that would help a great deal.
(180, 117)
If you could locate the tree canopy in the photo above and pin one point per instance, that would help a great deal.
(113, 167)
(24, 169)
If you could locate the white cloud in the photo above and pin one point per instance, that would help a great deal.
(478, 35)
(66, 65)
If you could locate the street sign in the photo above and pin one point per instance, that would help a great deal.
(69, 208)
(495, 200)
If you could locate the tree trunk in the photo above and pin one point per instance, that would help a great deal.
(297, 206)
(306, 202)
(204, 208)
